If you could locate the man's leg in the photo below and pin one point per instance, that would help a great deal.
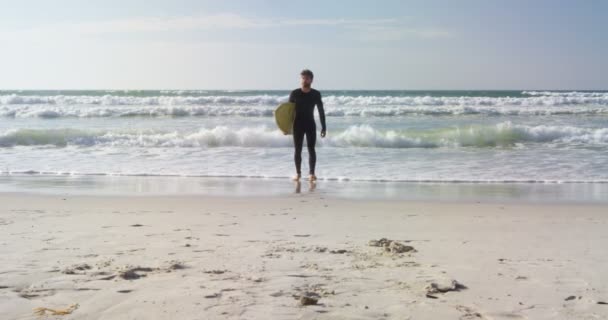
(311, 139)
(298, 141)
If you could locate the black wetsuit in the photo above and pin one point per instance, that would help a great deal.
(304, 124)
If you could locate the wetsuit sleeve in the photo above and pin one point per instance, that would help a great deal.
(321, 112)
(291, 97)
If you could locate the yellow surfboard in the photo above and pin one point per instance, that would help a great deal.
(284, 116)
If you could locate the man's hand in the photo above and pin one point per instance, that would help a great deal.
(322, 133)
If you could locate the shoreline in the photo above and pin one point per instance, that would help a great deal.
(561, 193)
(253, 177)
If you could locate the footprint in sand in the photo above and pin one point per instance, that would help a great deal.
(468, 313)
(31, 293)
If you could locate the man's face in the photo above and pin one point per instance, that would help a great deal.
(306, 81)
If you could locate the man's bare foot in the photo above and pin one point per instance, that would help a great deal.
(296, 177)
(312, 177)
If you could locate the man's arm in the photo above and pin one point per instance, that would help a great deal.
(321, 112)
(291, 96)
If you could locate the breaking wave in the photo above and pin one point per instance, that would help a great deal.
(501, 135)
(358, 109)
(168, 104)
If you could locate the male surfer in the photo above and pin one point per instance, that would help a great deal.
(305, 99)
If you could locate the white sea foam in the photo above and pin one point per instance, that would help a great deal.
(566, 93)
(502, 134)
(331, 110)
(141, 101)
(533, 99)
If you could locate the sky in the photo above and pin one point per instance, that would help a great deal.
(408, 45)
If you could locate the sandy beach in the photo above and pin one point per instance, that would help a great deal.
(300, 256)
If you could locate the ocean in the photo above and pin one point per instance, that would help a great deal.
(382, 136)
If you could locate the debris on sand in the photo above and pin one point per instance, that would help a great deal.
(339, 251)
(391, 246)
(443, 286)
(215, 271)
(127, 272)
(379, 243)
(256, 279)
(311, 294)
(74, 269)
(308, 298)
(396, 247)
(41, 311)
(307, 301)
(174, 265)
(133, 273)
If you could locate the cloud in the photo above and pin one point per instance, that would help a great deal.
(394, 32)
(367, 29)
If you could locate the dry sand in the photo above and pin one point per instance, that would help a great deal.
(299, 257)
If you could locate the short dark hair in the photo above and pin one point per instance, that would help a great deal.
(307, 72)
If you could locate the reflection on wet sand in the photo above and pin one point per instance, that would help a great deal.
(226, 186)
(311, 186)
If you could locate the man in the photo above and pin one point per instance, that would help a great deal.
(305, 99)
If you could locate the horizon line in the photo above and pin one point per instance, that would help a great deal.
(286, 89)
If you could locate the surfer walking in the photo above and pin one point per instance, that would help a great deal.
(305, 99)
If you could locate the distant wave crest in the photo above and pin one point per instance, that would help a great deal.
(535, 103)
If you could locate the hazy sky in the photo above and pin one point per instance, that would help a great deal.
(155, 44)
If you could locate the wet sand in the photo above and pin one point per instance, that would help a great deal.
(299, 256)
